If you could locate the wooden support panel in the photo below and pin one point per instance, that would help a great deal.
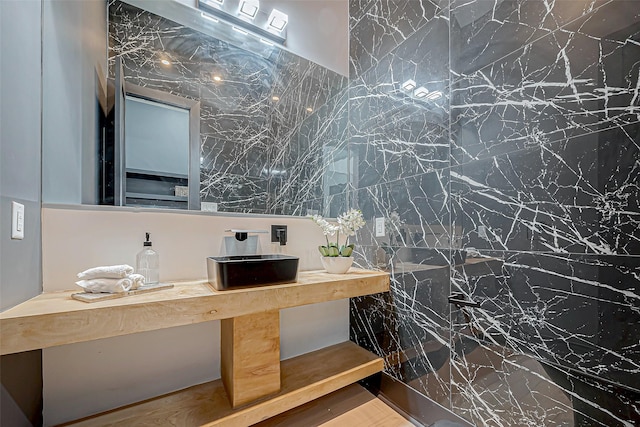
(250, 356)
(304, 378)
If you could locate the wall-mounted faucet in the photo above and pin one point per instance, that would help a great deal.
(279, 234)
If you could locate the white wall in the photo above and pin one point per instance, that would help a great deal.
(318, 30)
(20, 128)
(85, 378)
(74, 57)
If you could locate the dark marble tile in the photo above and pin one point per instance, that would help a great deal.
(357, 10)
(393, 134)
(261, 123)
(579, 79)
(234, 193)
(578, 196)
(385, 25)
(578, 312)
(408, 327)
(483, 31)
(492, 385)
(415, 209)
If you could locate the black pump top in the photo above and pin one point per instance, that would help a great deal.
(147, 243)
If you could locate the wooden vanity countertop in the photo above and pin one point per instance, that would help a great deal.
(52, 319)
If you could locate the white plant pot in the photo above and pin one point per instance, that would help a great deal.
(337, 264)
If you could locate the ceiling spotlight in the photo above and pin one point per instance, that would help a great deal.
(409, 85)
(309, 110)
(275, 98)
(249, 8)
(435, 95)
(209, 17)
(277, 20)
(421, 92)
(240, 30)
(165, 61)
(217, 78)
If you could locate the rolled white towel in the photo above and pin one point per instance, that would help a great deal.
(137, 280)
(110, 286)
(107, 272)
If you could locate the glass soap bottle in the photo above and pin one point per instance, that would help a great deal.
(148, 263)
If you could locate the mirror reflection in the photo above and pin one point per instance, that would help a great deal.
(270, 132)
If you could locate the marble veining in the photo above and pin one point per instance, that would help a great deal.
(529, 161)
(270, 121)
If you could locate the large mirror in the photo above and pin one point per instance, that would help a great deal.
(158, 106)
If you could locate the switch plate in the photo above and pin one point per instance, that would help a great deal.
(17, 221)
(380, 227)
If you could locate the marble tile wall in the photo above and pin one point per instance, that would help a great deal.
(259, 154)
(532, 158)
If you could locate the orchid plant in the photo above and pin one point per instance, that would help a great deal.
(348, 223)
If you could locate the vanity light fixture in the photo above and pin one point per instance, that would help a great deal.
(409, 85)
(421, 92)
(217, 3)
(246, 17)
(277, 20)
(249, 8)
(434, 95)
(209, 17)
(240, 30)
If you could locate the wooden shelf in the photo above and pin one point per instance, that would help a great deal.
(304, 378)
(53, 319)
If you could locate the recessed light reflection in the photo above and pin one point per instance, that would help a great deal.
(309, 110)
(240, 30)
(275, 98)
(421, 92)
(217, 78)
(209, 17)
(165, 61)
(409, 85)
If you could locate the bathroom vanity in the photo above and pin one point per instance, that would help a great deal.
(255, 384)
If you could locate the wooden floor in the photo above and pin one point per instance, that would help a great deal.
(352, 406)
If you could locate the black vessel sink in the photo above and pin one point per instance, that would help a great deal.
(230, 272)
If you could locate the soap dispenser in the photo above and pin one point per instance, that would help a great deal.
(148, 263)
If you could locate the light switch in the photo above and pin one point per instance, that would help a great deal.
(17, 221)
(380, 227)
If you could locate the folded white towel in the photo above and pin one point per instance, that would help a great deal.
(107, 272)
(110, 286)
(137, 280)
